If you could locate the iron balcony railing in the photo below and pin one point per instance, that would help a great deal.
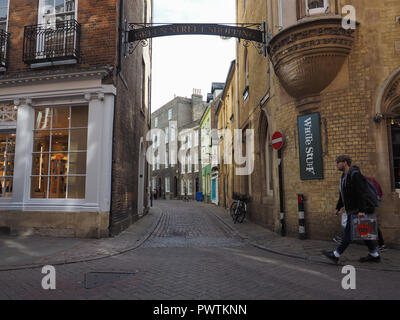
(52, 42)
(3, 48)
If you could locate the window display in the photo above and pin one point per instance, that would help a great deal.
(7, 152)
(59, 152)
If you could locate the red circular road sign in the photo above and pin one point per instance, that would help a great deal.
(277, 140)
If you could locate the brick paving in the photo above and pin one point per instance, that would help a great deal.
(188, 251)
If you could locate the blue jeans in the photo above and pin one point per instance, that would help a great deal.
(347, 239)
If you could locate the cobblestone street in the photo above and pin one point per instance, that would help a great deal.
(191, 254)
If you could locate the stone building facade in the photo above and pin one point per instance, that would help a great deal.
(345, 78)
(68, 101)
(179, 121)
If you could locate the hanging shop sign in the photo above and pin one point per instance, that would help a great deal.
(152, 31)
(310, 146)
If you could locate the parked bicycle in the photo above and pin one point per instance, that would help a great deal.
(185, 198)
(238, 208)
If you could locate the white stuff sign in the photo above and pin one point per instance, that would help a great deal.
(310, 149)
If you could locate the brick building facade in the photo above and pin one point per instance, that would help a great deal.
(69, 99)
(348, 79)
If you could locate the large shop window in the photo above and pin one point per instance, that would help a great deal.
(7, 151)
(395, 128)
(59, 153)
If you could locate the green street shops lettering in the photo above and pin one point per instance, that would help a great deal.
(206, 29)
(310, 149)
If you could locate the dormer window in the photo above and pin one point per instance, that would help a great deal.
(316, 6)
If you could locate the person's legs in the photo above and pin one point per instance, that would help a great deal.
(346, 238)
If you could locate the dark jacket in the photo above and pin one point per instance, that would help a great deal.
(354, 191)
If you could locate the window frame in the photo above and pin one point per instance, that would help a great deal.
(317, 10)
(8, 15)
(392, 156)
(6, 177)
(67, 175)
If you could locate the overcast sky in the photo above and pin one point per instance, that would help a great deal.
(182, 63)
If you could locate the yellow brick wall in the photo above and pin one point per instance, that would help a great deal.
(347, 108)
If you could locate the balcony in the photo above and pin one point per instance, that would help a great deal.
(52, 44)
(3, 49)
(308, 56)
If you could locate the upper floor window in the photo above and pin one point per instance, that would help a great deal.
(155, 122)
(54, 11)
(3, 14)
(317, 6)
(170, 114)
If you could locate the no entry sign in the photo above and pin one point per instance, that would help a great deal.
(277, 140)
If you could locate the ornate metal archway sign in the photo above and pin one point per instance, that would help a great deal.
(138, 33)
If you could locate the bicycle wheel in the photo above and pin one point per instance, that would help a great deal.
(242, 212)
(232, 210)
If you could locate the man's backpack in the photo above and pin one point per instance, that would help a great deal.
(372, 195)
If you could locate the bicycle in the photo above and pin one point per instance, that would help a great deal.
(238, 208)
(185, 198)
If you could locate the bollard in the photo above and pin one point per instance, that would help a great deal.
(302, 226)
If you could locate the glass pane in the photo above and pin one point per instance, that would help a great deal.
(59, 5)
(59, 141)
(3, 142)
(11, 143)
(2, 165)
(39, 187)
(396, 136)
(3, 13)
(49, 7)
(396, 150)
(79, 117)
(40, 164)
(58, 187)
(41, 141)
(3, 3)
(70, 5)
(58, 164)
(314, 4)
(76, 187)
(10, 166)
(8, 188)
(42, 118)
(3, 26)
(78, 139)
(77, 163)
(397, 178)
(61, 117)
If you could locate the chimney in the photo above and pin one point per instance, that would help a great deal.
(196, 97)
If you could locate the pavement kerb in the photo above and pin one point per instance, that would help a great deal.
(306, 258)
(118, 252)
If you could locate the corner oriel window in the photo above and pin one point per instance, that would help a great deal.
(59, 153)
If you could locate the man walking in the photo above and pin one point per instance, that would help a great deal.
(352, 198)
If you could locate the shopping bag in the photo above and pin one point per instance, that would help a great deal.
(344, 219)
(364, 228)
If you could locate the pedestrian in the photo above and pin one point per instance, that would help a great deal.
(353, 188)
